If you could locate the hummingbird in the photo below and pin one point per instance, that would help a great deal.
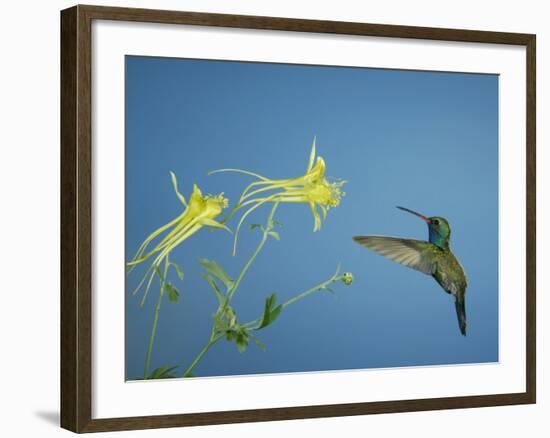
(433, 258)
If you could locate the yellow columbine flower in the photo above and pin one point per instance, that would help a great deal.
(312, 188)
(199, 212)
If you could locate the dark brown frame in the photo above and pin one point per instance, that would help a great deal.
(76, 236)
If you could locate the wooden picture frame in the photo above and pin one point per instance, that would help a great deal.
(76, 217)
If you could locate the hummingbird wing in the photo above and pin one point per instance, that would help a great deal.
(429, 259)
(415, 254)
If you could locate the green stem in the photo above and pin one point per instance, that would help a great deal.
(212, 341)
(335, 278)
(314, 289)
(155, 320)
(267, 229)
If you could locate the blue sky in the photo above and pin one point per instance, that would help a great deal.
(424, 140)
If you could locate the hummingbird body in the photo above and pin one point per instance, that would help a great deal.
(433, 258)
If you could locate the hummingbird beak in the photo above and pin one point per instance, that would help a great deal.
(421, 216)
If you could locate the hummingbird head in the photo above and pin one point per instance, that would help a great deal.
(438, 227)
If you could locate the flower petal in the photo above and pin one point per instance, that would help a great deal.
(316, 217)
(215, 224)
(311, 155)
(175, 184)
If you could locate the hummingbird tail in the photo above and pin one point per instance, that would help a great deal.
(460, 306)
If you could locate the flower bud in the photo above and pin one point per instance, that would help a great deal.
(347, 278)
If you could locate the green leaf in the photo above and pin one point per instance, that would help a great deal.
(275, 313)
(217, 271)
(156, 269)
(216, 289)
(158, 372)
(242, 341)
(220, 324)
(164, 372)
(254, 226)
(259, 343)
(271, 312)
(213, 284)
(274, 234)
(173, 293)
(179, 271)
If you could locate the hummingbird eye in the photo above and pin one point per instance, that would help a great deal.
(435, 222)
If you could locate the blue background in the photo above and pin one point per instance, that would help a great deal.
(424, 140)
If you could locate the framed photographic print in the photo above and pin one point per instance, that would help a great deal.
(231, 247)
